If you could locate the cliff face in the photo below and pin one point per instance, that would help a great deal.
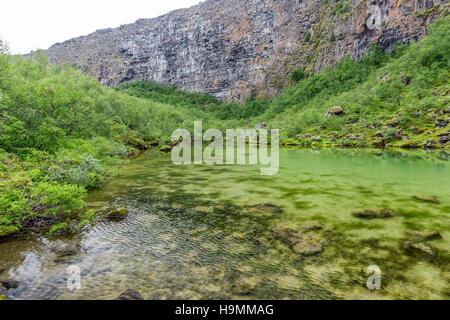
(233, 48)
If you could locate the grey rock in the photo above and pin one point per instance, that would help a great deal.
(229, 48)
(130, 295)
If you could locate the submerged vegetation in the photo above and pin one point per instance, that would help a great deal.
(61, 132)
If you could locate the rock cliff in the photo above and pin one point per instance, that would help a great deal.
(233, 49)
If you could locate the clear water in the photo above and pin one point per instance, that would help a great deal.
(190, 233)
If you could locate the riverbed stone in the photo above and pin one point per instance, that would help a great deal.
(379, 213)
(118, 214)
(130, 295)
(428, 199)
(9, 284)
(264, 208)
(423, 235)
(311, 225)
(299, 241)
(419, 250)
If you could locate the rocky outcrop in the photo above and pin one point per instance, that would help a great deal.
(234, 49)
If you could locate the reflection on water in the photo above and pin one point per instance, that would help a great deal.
(201, 232)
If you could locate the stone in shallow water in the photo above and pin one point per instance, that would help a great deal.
(130, 295)
(118, 214)
(9, 284)
(432, 199)
(379, 213)
(266, 208)
(300, 242)
(311, 225)
(419, 250)
(423, 235)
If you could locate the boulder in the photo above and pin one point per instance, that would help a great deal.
(6, 231)
(261, 125)
(311, 225)
(118, 214)
(316, 139)
(335, 111)
(130, 295)
(423, 235)
(429, 144)
(266, 208)
(441, 123)
(419, 250)
(9, 284)
(443, 139)
(427, 199)
(379, 144)
(300, 242)
(379, 213)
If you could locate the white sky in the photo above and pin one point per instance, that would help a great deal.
(31, 24)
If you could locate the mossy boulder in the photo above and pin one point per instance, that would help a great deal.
(423, 235)
(379, 213)
(138, 143)
(427, 199)
(419, 250)
(118, 214)
(6, 231)
(335, 111)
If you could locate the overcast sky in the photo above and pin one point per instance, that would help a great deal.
(31, 24)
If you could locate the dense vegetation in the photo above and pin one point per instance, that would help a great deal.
(393, 98)
(61, 132)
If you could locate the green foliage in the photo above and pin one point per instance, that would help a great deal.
(307, 36)
(340, 7)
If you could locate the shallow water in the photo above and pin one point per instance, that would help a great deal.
(193, 231)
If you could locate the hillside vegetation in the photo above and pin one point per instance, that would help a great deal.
(398, 99)
(61, 133)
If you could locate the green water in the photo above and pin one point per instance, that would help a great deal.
(197, 232)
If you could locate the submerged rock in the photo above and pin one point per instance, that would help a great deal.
(118, 214)
(423, 235)
(300, 242)
(130, 295)
(431, 199)
(419, 250)
(379, 213)
(311, 225)
(266, 208)
(9, 284)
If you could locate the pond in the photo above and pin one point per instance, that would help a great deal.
(226, 232)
